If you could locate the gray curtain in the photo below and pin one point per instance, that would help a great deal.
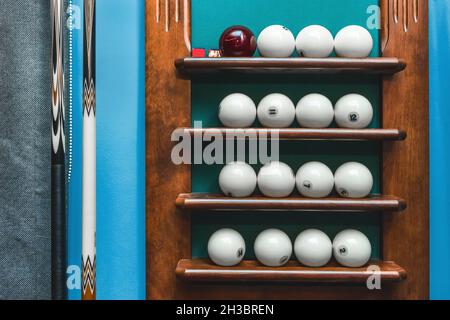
(25, 42)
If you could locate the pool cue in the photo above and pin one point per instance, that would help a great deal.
(58, 172)
(89, 156)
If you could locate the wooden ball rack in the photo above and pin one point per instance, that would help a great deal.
(403, 71)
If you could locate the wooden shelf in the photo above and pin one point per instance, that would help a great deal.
(191, 66)
(304, 134)
(203, 201)
(203, 270)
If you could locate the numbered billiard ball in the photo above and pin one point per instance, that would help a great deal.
(353, 180)
(313, 248)
(276, 42)
(315, 111)
(226, 247)
(315, 180)
(276, 180)
(237, 180)
(276, 111)
(237, 41)
(237, 111)
(353, 111)
(353, 42)
(315, 42)
(273, 248)
(351, 248)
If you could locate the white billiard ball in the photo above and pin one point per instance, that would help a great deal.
(276, 42)
(313, 248)
(315, 111)
(315, 42)
(276, 180)
(237, 180)
(273, 248)
(315, 180)
(237, 111)
(353, 111)
(226, 247)
(276, 111)
(353, 180)
(352, 248)
(353, 42)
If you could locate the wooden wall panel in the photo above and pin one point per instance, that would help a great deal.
(405, 164)
(168, 107)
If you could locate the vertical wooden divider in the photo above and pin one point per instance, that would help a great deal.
(168, 106)
(406, 164)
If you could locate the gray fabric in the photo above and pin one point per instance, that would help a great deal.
(25, 42)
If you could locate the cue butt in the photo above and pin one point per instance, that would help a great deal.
(58, 231)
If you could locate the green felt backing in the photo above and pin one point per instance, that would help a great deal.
(209, 19)
(250, 224)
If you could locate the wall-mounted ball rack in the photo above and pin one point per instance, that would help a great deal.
(404, 171)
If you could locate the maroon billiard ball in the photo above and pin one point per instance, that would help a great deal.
(237, 41)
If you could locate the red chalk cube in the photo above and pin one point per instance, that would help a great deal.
(198, 53)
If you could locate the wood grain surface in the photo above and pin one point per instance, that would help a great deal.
(252, 271)
(200, 201)
(302, 133)
(168, 107)
(191, 66)
(405, 165)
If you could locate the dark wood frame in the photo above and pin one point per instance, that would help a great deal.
(303, 133)
(405, 166)
(292, 272)
(189, 66)
(211, 202)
